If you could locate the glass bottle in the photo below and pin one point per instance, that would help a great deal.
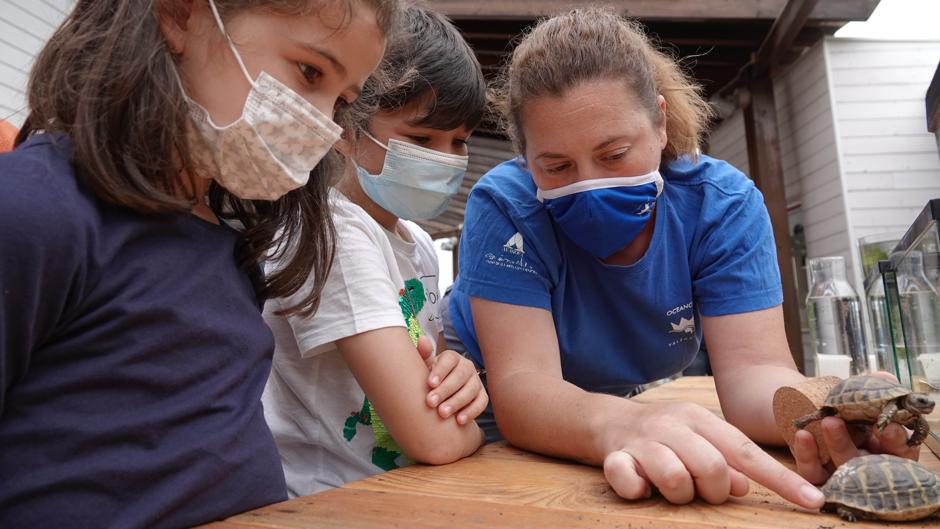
(920, 309)
(835, 320)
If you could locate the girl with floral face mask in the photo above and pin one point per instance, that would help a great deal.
(133, 353)
(348, 397)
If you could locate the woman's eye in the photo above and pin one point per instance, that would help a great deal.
(616, 156)
(556, 169)
(311, 73)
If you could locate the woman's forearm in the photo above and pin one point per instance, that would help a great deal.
(545, 414)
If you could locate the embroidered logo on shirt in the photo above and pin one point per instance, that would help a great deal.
(685, 325)
(515, 243)
(512, 255)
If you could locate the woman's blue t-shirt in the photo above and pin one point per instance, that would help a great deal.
(712, 253)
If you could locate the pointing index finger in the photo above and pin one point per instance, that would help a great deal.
(748, 458)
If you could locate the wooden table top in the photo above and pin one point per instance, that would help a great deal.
(503, 487)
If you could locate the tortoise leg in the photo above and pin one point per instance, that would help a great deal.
(818, 415)
(887, 415)
(848, 514)
(921, 429)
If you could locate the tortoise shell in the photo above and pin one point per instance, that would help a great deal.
(884, 487)
(862, 397)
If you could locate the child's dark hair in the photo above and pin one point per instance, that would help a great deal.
(107, 79)
(427, 62)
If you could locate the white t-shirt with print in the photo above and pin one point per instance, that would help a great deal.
(325, 429)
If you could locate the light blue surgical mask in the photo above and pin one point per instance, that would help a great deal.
(416, 183)
(603, 215)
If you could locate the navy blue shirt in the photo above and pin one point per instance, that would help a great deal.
(712, 253)
(132, 360)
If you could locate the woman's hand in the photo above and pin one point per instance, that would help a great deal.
(686, 451)
(893, 440)
(456, 388)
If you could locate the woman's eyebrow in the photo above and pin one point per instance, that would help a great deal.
(608, 141)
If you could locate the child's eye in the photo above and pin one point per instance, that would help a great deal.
(420, 140)
(310, 73)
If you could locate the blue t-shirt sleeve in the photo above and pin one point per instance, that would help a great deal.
(38, 264)
(734, 257)
(499, 253)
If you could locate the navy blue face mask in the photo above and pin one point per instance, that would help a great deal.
(604, 215)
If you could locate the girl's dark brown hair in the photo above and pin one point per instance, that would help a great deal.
(427, 62)
(598, 44)
(107, 79)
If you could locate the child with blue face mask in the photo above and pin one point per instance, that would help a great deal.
(348, 396)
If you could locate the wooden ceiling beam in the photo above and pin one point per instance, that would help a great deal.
(782, 35)
(844, 10)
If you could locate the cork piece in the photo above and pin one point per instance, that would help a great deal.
(792, 402)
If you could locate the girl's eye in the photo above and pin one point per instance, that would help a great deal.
(420, 140)
(310, 73)
(460, 143)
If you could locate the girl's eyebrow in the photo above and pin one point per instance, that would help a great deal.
(337, 66)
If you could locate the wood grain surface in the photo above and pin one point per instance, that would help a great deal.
(504, 487)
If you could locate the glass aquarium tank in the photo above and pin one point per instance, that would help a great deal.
(912, 294)
(874, 248)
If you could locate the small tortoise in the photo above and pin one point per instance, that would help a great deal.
(867, 399)
(882, 487)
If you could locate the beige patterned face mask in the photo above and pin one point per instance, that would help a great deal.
(271, 148)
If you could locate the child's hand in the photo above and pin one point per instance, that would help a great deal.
(456, 388)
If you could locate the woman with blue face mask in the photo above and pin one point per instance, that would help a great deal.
(599, 260)
(348, 396)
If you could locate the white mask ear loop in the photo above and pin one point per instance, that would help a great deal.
(231, 45)
(377, 142)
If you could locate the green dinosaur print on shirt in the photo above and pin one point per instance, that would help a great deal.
(411, 299)
(386, 451)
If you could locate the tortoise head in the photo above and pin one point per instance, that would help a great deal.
(919, 403)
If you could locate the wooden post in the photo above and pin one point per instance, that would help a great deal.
(763, 151)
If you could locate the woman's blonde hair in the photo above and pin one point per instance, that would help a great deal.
(589, 44)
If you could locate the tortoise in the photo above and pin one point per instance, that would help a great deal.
(868, 399)
(882, 487)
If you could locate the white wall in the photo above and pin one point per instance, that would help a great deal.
(728, 142)
(25, 25)
(810, 156)
(857, 157)
(890, 161)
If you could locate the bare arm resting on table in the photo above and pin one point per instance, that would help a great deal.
(681, 448)
(395, 380)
